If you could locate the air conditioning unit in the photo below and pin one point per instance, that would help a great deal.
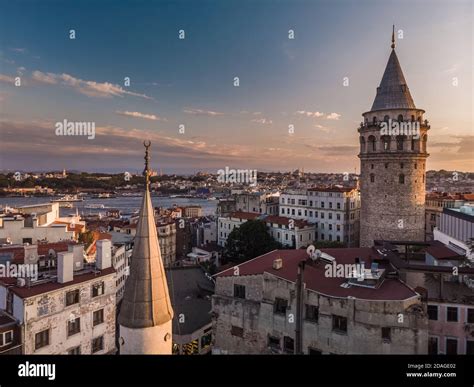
(21, 282)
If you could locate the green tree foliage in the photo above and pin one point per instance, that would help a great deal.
(248, 241)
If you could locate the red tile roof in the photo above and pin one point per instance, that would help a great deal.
(314, 274)
(244, 215)
(25, 292)
(43, 249)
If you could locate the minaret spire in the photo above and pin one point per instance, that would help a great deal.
(393, 36)
(146, 313)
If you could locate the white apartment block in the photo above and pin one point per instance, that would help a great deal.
(292, 233)
(68, 310)
(334, 212)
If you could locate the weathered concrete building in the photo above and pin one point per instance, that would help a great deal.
(255, 309)
(68, 309)
(393, 153)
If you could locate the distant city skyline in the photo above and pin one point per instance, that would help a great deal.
(190, 82)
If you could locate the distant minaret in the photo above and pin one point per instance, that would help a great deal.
(146, 314)
(393, 163)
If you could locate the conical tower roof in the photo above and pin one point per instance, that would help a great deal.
(393, 92)
(146, 300)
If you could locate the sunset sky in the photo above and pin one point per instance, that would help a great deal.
(191, 81)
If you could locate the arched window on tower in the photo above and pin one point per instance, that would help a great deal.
(386, 118)
(401, 178)
(413, 144)
(412, 118)
(362, 144)
(372, 146)
(400, 118)
(386, 143)
(374, 120)
(400, 142)
(372, 178)
(424, 140)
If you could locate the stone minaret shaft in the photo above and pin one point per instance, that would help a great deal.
(393, 156)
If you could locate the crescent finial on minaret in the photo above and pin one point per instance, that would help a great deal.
(393, 36)
(146, 171)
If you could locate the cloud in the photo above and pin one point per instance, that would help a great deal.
(321, 127)
(263, 121)
(151, 117)
(89, 88)
(6, 79)
(200, 112)
(48, 78)
(309, 114)
(20, 70)
(333, 116)
(19, 50)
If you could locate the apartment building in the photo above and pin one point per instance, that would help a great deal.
(334, 211)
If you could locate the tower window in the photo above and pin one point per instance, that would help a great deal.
(374, 120)
(386, 118)
(412, 118)
(402, 165)
(371, 166)
(414, 166)
(400, 118)
(372, 147)
(386, 143)
(400, 143)
(401, 178)
(372, 178)
(386, 165)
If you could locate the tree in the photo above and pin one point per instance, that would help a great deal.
(248, 241)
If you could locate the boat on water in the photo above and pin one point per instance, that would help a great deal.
(94, 206)
(67, 199)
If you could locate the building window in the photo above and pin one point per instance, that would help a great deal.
(237, 331)
(386, 143)
(280, 306)
(401, 178)
(451, 346)
(42, 339)
(273, 342)
(98, 344)
(73, 326)
(432, 346)
(386, 335)
(452, 314)
(74, 351)
(469, 347)
(400, 141)
(239, 291)
(433, 312)
(72, 297)
(98, 317)
(98, 289)
(9, 306)
(372, 178)
(312, 313)
(288, 344)
(339, 324)
(6, 338)
(470, 316)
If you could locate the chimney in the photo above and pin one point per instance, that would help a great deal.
(31, 254)
(278, 263)
(78, 256)
(103, 259)
(65, 267)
